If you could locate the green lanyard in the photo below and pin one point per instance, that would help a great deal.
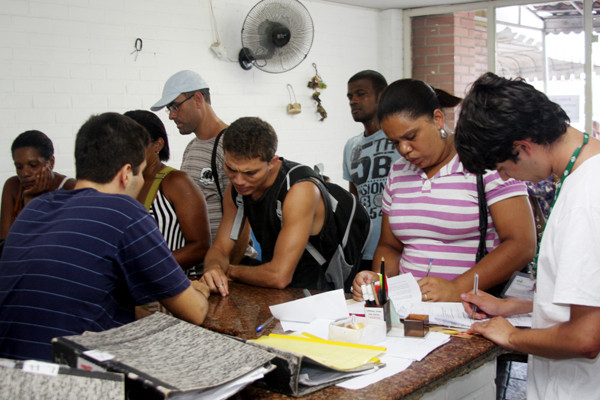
(556, 193)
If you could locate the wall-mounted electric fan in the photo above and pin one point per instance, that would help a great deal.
(276, 36)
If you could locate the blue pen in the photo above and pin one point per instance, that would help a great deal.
(267, 322)
(429, 267)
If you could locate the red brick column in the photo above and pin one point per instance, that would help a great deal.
(449, 51)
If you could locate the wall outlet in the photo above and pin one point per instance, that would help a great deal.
(219, 49)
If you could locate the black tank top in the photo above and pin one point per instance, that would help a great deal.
(262, 215)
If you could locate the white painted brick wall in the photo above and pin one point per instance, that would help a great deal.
(63, 60)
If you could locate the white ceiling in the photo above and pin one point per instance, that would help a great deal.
(387, 4)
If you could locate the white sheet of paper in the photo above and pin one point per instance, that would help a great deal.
(414, 348)
(393, 366)
(319, 327)
(355, 307)
(327, 305)
(403, 289)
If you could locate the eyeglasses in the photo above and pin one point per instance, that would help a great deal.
(174, 107)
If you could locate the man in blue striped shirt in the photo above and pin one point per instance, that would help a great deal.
(80, 260)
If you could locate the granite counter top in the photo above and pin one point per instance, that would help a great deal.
(247, 307)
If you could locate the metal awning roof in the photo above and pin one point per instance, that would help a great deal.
(518, 55)
(564, 16)
(521, 56)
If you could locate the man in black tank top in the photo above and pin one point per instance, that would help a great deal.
(257, 175)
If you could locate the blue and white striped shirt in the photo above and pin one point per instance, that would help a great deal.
(79, 260)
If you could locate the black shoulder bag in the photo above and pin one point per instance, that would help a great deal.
(483, 221)
(213, 167)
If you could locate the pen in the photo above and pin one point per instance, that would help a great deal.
(382, 288)
(475, 288)
(267, 322)
(306, 292)
(429, 267)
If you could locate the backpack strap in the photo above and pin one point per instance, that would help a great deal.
(239, 216)
(154, 188)
(300, 173)
(213, 166)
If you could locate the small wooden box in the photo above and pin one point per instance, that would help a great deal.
(416, 325)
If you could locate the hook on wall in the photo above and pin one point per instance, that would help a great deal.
(137, 47)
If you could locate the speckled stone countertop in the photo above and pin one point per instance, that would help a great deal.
(247, 307)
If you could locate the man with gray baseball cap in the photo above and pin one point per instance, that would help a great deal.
(186, 96)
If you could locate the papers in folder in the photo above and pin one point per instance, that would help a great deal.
(337, 355)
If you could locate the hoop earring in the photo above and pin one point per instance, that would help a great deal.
(443, 133)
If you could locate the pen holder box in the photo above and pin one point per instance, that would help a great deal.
(416, 325)
(358, 330)
(381, 313)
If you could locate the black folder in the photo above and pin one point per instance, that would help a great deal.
(39, 380)
(163, 357)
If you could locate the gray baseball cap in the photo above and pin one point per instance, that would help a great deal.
(181, 82)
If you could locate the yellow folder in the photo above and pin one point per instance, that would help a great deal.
(337, 355)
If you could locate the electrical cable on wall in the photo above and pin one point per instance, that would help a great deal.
(217, 47)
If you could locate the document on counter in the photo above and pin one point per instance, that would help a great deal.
(393, 366)
(319, 327)
(452, 314)
(327, 305)
(414, 348)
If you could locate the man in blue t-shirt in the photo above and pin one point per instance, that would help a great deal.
(81, 260)
(368, 156)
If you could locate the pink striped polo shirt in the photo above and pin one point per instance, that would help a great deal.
(439, 217)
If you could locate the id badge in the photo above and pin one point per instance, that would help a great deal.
(520, 285)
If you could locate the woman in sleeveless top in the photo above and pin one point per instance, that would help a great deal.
(33, 156)
(172, 198)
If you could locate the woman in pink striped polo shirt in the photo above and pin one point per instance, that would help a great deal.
(430, 224)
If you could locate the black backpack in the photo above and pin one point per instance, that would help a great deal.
(353, 225)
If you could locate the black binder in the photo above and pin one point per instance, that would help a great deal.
(163, 357)
(39, 380)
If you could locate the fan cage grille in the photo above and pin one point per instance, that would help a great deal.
(258, 46)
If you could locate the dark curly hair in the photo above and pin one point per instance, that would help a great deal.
(36, 139)
(250, 137)
(496, 112)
